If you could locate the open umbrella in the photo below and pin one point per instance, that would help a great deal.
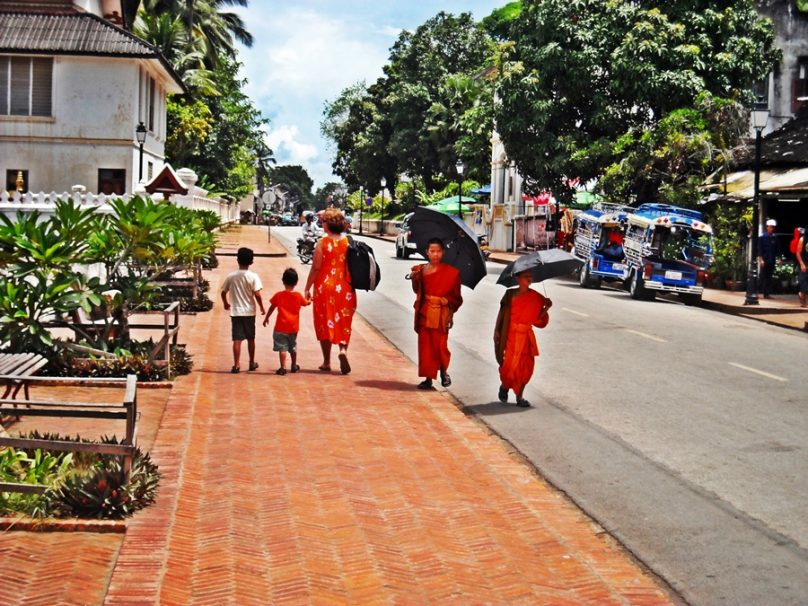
(449, 205)
(462, 248)
(543, 264)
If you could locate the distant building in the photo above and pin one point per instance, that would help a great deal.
(786, 89)
(74, 85)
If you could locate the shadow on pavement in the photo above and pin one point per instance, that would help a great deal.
(493, 408)
(387, 385)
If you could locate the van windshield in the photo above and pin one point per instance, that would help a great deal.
(685, 244)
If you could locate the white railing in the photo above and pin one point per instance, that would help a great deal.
(11, 204)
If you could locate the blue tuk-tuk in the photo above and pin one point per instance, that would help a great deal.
(599, 244)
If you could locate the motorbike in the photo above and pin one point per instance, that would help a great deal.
(305, 249)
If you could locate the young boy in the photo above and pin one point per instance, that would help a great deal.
(288, 303)
(246, 288)
(437, 289)
(520, 310)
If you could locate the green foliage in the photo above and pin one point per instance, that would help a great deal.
(84, 485)
(731, 224)
(190, 122)
(498, 23)
(668, 161)
(295, 180)
(42, 283)
(579, 75)
(411, 120)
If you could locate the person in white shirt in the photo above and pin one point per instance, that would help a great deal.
(309, 228)
(245, 287)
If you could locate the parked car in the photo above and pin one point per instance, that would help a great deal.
(405, 244)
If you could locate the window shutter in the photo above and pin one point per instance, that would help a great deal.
(4, 61)
(20, 85)
(42, 86)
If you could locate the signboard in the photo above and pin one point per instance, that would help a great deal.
(369, 201)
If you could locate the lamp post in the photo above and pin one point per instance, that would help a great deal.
(383, 183)
(760, 118)
(140, 135)
(361, 209)
(460, 168)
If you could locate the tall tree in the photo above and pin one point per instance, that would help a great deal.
(579, 74)
(295, 180)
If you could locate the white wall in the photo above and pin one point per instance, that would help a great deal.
(96, 107)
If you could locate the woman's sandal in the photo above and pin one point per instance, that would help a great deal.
(344, 366)
(234, 370)
(295, 368)
(280, 371)
(324, 368)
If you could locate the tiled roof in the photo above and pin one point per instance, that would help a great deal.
(787, 146)
(70, 33)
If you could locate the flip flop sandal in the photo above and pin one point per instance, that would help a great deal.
(523, 403)
(234, 370)
(425, 384)
(253, 366)
(324, 368)
(502, 395)
(445, 379)
(280, 371)
(344, 366)
(295, 368)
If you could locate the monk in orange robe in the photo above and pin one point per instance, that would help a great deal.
(520, 310)
(437, 287)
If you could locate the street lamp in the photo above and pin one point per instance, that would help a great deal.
(383, 183)
(140, 135)
(460, 168)
(760, 118)
(361, 209)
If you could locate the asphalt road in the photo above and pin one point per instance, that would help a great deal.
(682, 431)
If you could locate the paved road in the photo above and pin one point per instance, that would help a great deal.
(682, 431)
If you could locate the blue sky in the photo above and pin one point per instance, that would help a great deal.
(307, 51)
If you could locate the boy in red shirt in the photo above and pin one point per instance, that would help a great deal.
(288, 303)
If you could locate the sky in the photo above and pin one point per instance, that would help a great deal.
(307, 51)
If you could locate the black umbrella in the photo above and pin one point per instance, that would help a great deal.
(543, 264)
(461, 245)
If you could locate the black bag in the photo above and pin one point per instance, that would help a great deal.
(365, 272)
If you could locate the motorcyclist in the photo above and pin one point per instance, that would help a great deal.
(309, 228)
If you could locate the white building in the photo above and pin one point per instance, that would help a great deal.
(74, 86)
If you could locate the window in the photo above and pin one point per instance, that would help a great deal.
(111, 181)
(149, 170)
(12, 176)
(26, 86)
(150, 92)
(799, 86)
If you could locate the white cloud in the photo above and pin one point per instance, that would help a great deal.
(285, 142)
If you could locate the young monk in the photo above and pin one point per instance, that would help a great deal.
(437, 287)
(520, 310)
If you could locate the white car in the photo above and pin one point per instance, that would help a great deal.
(405, 245)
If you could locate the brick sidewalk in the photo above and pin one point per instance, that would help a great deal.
(321, 488)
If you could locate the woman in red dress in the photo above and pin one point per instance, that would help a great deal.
(520, 310)
(437, 287)
(334, 298)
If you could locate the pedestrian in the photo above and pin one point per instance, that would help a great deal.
(767, 244)
(329, 288)
(515, 344)
(802, 261)
(245, 286)
(437, 289)
(284, 337)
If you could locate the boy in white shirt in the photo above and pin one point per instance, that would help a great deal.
(245, 287)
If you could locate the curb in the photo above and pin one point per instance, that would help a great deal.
(69, 525)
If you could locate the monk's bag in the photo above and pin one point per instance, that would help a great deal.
(365, 272)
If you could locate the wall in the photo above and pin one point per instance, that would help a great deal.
(95, 112)
(791, 31)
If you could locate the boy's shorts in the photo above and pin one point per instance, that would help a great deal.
(243, 327)
(284, 341)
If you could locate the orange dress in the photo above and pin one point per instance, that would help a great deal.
(438, 298)
(334, 299)
(517, 346)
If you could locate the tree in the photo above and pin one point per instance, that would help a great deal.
(421, 102)
(295, 180)
(330, 193)
(577, 75)
(670, 161)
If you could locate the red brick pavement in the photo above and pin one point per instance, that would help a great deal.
(318, 488)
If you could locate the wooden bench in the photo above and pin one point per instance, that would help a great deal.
(17, 369)
(113, 411)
